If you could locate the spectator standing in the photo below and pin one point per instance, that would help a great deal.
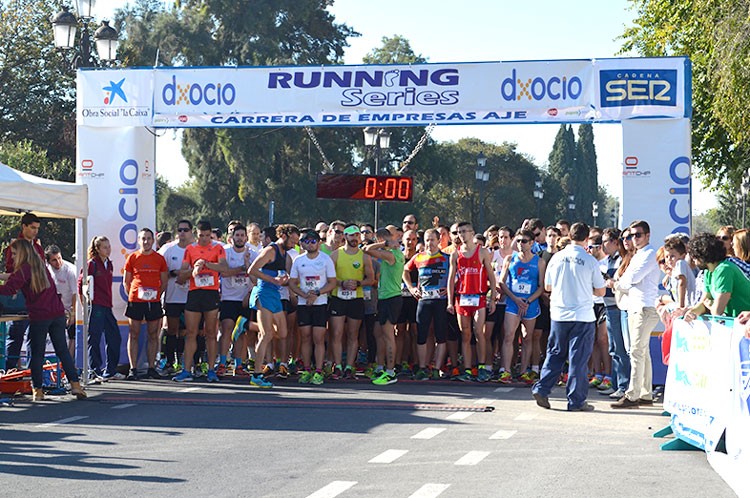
(641, 282)
(573, 279)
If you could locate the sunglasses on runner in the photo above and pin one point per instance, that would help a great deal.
(408, 222)
(522, 241)
(594, 246)
(725, 238)
(184, 229)
(338, 232)
(365, 231)
(638, 235)
(627, 237)
(309, 241)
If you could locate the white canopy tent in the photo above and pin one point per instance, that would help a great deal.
(22, 193)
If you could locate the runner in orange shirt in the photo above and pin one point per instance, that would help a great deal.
(145, 281)
(203, 261)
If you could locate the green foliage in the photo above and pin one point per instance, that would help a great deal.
(31, 159)
(38, 90)
(714, 34)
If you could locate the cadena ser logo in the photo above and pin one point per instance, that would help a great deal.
(638, 87)
(113, 91)
(183, 93)
(560, 87)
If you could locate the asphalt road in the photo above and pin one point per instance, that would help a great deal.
(158, 438)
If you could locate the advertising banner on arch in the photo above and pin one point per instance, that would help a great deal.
(656, 175)
(118, 166)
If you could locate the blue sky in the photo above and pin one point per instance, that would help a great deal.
(486, 30)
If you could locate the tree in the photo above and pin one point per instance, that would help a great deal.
(714, 34)
(32, 159)
(562, 171)
(38, 98)
(586, 177)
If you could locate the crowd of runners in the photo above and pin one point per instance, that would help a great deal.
(343, 301)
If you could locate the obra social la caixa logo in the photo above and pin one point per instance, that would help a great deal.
(113, 91)
(188, 93)
(523, 87)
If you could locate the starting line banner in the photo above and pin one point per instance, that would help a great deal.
(708, 386)
(563, 91)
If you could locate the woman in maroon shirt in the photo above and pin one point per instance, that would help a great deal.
(101, 319)
(46, 314)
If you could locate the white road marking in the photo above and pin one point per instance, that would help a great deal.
(484, 401)
(504, 389)
(526, 416)
(428, 433)
(459, 415)
(123, 406)
(333, 489)
(189, 389)
(472, 458)
(389, 456)
(429, 490)
(63, 421)
(503, 435)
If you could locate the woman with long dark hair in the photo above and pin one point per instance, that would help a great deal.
(46, 314)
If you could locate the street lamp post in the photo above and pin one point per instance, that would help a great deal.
(538, 195)
(65, 24)
(482, 176)
(745, 188)
(378, 140)
(595, 210)
(571, 205)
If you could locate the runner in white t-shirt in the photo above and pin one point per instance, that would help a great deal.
(235, 286)
(175, 296)
(312, 277)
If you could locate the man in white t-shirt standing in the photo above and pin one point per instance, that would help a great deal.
(65, 276)
(573, 279)
(312, 277)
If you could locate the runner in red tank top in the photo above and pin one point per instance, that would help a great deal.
(472, 266)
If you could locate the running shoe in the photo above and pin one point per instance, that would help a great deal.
(527, 377)
(505, 378)
(385, 379)
(221, 370)
(337, 373)
(563, 379)
(305, 377)
(152, 374)
(260, 381)
(484, 375)
(436, 374)
(421, 375)
(362, 357)
(115, 376)
(606, 385)
(327, 369)
(455, 372)
(595, 381)
(294, 367)
(267, 371)
(464, 377)
(239, 371)
(368, 372)
(133, 374)
(239, 328)
(211, 376)
(349, 373)
(283, 372)
(317, 379)
(183, 376)
(406, 370)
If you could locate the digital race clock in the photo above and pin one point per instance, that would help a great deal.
(365, 187)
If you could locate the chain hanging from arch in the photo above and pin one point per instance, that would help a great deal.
(405, 163)
(402, 165)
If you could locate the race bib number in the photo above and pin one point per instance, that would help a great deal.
(310, 284)
(521, 288)
(204, 280)
(347, 294)
(147, 294)
(237, 281)
(468, 300)
(431, 294)
(367, 294)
